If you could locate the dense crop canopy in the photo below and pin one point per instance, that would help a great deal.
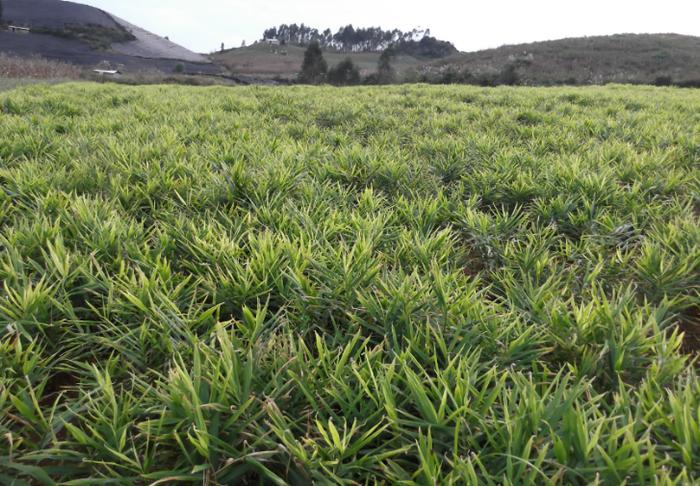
(426, 285)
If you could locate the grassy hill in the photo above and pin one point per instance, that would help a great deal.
(625, 58)
(413, 285)
(284, 62)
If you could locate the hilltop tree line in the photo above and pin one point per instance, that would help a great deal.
(417, 42)
(314, 69)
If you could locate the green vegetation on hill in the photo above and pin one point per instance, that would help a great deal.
(629, 58)
(402, 285)
(314, 68)
(660, 59)
(416, 42)
(97, 36)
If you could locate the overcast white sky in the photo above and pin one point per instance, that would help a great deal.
(202, 25)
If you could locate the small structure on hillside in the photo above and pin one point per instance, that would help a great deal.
(274, 44)
(106, 69)
(107, 72)
(17, 29)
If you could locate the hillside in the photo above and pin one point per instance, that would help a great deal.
(86, 36)
(54, 14)
(284, 62)
(625, 58)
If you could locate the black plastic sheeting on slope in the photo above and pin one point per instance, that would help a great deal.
(76, 52)
(53, 14)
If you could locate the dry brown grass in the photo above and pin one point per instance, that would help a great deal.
(38, 68)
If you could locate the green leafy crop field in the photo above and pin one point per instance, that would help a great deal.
(413, 285)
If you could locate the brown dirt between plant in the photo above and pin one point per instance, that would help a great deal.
(61, 381)
(690, 326)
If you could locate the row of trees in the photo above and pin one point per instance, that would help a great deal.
(417, 42)
(314, 69)
(347, 38)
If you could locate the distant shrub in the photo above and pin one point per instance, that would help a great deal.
(689, 83)
(461, 76)
(314, 67)
(179, 68)
(509, 75)
(427, 47)
(96, 36)
(344, 74)
(663, 81)
(450, 76)
(453, 75)
(371, 79)
(385, 71)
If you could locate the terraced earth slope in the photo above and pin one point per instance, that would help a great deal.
(414, 285)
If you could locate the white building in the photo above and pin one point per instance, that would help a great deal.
(18, 30)
(106, 72)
